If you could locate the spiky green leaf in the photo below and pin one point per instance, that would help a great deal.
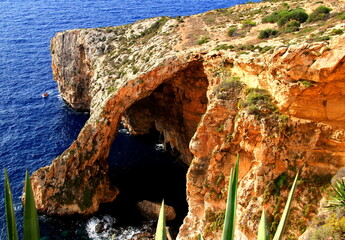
(31, 227)
(12, 233)
(200, 237)
(161, 226)
(337, 198)
(230, 212)
(282, 223)
(263, 233)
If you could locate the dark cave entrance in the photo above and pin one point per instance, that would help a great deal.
(142, 170)
(152, 162)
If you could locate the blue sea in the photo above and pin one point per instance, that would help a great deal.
(34, 130)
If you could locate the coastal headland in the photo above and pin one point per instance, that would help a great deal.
(214, 85)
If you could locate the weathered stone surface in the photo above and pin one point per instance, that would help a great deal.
(150, 210)
(327, 218)
(154, 74)
(72, 68)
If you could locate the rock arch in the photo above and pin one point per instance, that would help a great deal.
(77, 181)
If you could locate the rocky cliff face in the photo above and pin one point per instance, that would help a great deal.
(277, 102)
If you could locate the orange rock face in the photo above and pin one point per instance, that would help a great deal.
(282, 111)
(72, 69)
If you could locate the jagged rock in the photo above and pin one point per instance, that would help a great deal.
(203, 99)
(150, 210)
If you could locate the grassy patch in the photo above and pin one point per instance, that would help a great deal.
(341, 16)
(337, 32)
(306, 83)
(248, 23)
(320, 13)
(291, 26)
(267, 33)
(228, 88)
(203, 40)
(333, 228)
(297, 14)
(232, 31)
(224, 47)
(258, 102)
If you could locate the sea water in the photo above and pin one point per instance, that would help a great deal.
(34, 130)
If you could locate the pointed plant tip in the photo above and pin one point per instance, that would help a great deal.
(12, 233)
(161, 233)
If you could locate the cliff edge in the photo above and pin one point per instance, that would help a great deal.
(213, 88)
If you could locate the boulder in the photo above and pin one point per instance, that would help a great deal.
(150, 210)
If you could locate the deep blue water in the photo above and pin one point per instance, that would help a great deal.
(35, 130)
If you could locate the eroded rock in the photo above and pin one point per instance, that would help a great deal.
(150, 210)
(154, 74)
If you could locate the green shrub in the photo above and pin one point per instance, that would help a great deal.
(298, 14)
(275, 16)
(228, 88)
(341, 16)
(224, 47)
(267, 33)
(291, 26)
(334, 228)
(337, 31)
(306, 83)
(265, 49)
(258, 102)
(248, 23)
(320, 13)
(232, 31)
(321, 38)
(203, 40)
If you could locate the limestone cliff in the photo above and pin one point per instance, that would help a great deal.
(278, 102)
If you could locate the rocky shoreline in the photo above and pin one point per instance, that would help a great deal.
(277, 101)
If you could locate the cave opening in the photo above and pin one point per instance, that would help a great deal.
(150, 155)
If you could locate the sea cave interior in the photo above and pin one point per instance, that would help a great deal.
(150, 155)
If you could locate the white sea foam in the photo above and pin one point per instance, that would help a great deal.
(100, 228)
(124, 131)
(160, 147)
(127, 233)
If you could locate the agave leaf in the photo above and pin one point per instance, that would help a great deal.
(338, 197)
(31, 227)
(200, 237)
(12, 233)
(230, 212)
(263, 233)
(161, 227)
(282, 223)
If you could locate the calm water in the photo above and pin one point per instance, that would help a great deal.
(34, 130)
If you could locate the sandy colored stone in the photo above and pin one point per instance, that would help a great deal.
(154, 74)
(150, 210)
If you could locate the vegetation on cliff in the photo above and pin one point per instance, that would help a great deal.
(277, 99)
